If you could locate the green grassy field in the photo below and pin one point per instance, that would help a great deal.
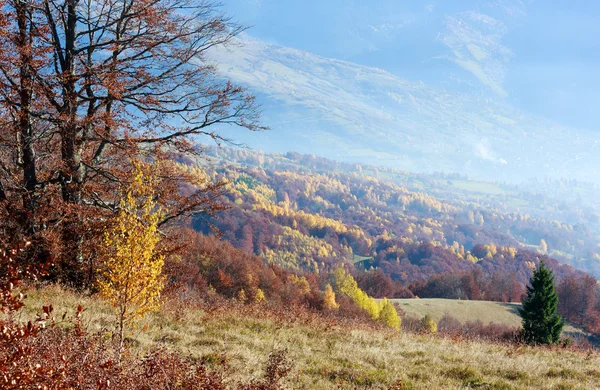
(357, 259)
(486, 312)
(328, 356)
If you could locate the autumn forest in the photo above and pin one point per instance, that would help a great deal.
(142, 248)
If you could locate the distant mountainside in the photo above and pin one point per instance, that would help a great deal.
(302, 211)
(402, 234)
(359, 114)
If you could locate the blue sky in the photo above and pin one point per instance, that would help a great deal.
(540, 56)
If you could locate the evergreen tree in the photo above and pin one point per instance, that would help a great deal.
(541, 322)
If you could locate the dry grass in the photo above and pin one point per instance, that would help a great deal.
(486, 312)
(333, 357)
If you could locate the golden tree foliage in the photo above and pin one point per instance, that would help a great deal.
(329, 298)
(388, 315)
(297, 250)
(428, 325)
(346, 285)
(130, 276)
(241, 296)
(300, 283)
(471, 258)
(367, 303)
(259, 297)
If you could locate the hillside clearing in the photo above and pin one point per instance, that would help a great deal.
(484, 311)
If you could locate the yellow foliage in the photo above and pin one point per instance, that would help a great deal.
(329, 299)
(301, 283)
(130, 274)
(259, 296)
(241, 296)
(388, 315)
(428, 325)
(471, 258)
(346, 284)
(297, 250)
(530, 264)
(370, 306)
(512, 252)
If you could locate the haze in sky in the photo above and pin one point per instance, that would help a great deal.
(543, 56)
(530, 61)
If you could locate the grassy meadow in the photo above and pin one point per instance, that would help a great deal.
(484, 311)
(327, 355)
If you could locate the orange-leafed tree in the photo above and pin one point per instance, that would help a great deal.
(130, 277)
(87, 84)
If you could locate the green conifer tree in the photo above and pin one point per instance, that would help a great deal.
(541, 322)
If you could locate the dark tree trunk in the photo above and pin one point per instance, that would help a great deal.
(26, 152)
(71, 149)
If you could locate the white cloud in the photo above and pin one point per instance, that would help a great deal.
(484, 151)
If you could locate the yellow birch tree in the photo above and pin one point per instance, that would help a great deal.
(130, 276)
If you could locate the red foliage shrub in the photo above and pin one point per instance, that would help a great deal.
(44, 355)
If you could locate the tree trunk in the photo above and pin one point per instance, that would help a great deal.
(121, 332)
(71, 150)
(26, 152)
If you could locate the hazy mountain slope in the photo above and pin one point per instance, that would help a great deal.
(356, 113)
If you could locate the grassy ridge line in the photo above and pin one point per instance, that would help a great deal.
(329, 357)
(484, 311)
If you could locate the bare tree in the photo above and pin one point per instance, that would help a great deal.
(86, 84)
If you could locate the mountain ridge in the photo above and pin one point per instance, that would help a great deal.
(357, 113)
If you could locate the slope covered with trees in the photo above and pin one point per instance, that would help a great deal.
(310, 214)
(101, 103)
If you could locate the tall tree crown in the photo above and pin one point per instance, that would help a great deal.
(87, 84)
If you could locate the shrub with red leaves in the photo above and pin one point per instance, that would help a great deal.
(43, 355)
